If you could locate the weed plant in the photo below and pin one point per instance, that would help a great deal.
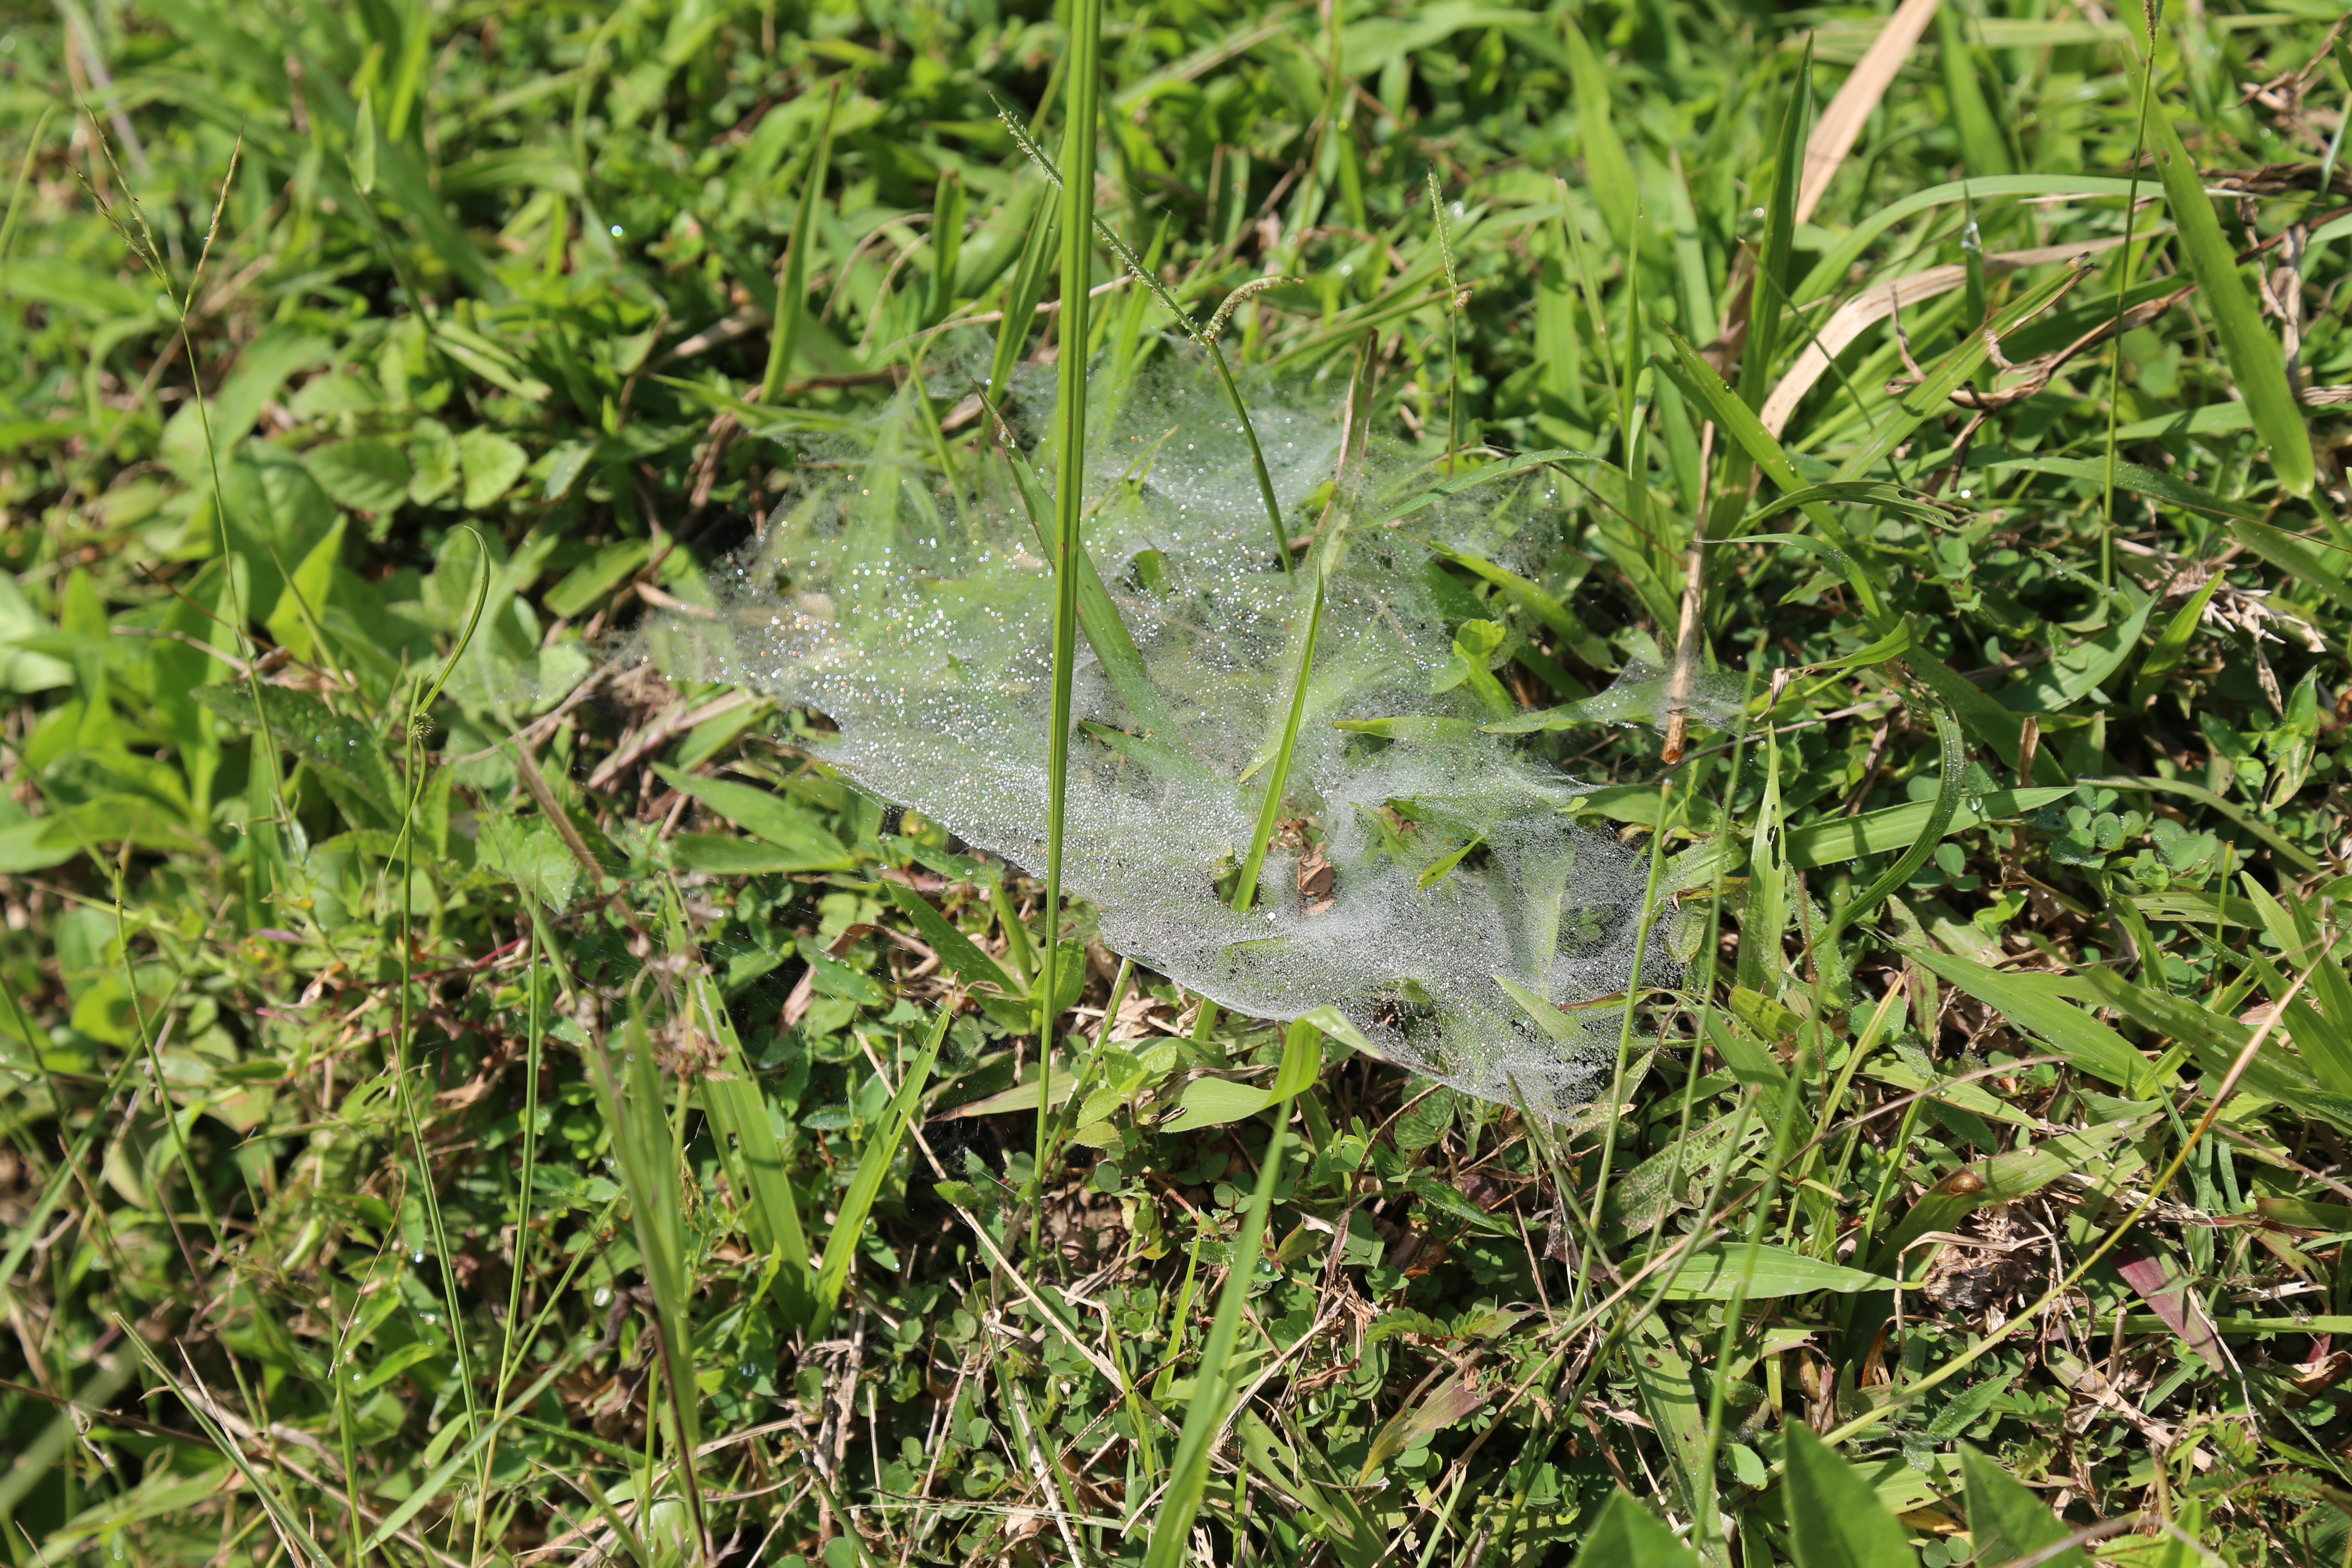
(510, 1055)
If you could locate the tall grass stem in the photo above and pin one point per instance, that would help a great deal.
(1069, 505)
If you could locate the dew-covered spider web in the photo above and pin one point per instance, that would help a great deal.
(914, 610)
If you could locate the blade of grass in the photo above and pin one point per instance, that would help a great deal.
(299, 1542)
(1951, 762)
(1901, 1395)
(646, 1156)
(1099, 617)
(1069, 503)
(792, 289)
(1028, 286)
(1188, 1470)
(866, 1186)
(1980, 141)
(1324, 558)
(2257, 363)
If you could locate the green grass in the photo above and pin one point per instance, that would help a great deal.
(465, 1097)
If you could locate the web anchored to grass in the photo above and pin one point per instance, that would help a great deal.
(1423, 879)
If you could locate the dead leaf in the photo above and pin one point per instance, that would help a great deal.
(2173, 1297)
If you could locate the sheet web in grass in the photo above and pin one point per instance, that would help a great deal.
(916, 613)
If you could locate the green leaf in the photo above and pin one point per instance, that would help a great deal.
(772, 817)
(725, 856)
(1979, 132)
(1563, 1029)
(1302, 1050)
(1099, 618)
(2132, 477)
(2257, 364)
(2077, 672)
(490, 360)
(597, 576)
(1663, 1377)
(1609, 173)
(956, 950)
(1213, 1386)
(645, 1155)
(432, 460)
(1833, 839)
(1835, 1520)
(1990, 723)
(2006, 1521)
(1216, 1102)
(304, 725)
(1932, 398)
(2215, 1041)
(491, 464)
(1487, 475)
(2172, 646)
(2300, 559)
(1628, 1535)
(2032, 1002)
(1951, 756)
(1442, 1407)
(1714, 1272)
(857, 1202)
(792, 289)
(1689, 371)
(363, 159)
(757, 1158)
(369, 474)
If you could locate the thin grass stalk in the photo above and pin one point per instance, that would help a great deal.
(24, 177)
(1323, 558)
(1188, 1469)
(417, 729)
(535, 1034)
(1625, 1016)
(142, 245)
(1069, 498)
(1070, 1104)
(1257, 454)
(1456, 298)
(1207, 338)
(1735, 1308)
(792, 285)
(1708, 968)
(2123, 293)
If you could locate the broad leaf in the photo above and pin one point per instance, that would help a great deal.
(1835, 1520)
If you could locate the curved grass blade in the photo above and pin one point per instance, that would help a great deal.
(1188, 1471)
(795, 284)
(857, 1202)
(1326, 557)
(1950, 764)
(1444, 488)
(645, 1156)
(2257, 364)
(1098, 615)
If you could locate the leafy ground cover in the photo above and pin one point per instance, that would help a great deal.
(471, 1096)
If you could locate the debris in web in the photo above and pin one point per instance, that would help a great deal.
(1425, 882)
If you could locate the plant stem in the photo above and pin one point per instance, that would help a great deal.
(1257, 454)
(1324, 554)
(1069, 505)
